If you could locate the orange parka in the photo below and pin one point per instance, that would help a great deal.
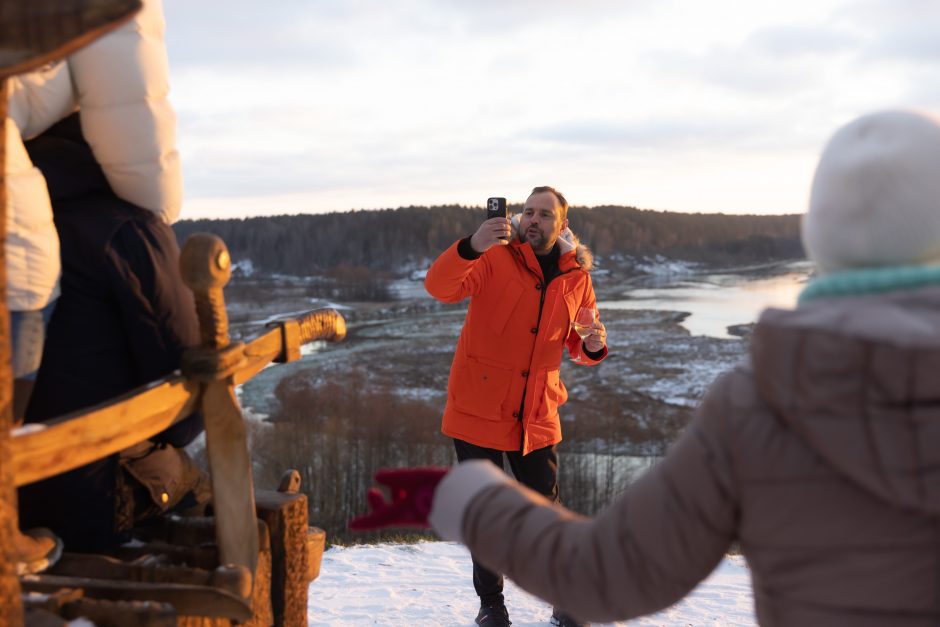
(511, 343)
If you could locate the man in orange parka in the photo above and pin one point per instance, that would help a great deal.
(504, 390)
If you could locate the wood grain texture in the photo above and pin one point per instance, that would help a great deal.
(82, 437)
(11, 608)
(79, 438)
(286, 518)
(187, 599)
(36, 32)
(230, 470)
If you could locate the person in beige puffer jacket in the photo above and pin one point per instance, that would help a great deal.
(120, 83)
(820, 455)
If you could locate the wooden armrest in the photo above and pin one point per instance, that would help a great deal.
(188, 599)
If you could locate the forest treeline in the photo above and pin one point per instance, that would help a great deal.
(408, 237)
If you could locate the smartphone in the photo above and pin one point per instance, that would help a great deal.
(496, 208)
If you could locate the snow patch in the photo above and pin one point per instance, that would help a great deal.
(243, 267)
(420, 394)
(410, 288)
(431, 584)
(662, 267)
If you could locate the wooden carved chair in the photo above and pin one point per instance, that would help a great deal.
(250, 563)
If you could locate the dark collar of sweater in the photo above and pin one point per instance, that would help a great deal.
(549, 263)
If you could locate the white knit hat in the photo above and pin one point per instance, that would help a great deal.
(875, 198)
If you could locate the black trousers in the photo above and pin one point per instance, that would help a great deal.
(538, 471)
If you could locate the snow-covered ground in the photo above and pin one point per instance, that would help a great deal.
(429, 584)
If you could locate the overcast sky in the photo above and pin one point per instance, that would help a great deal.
(302, 106)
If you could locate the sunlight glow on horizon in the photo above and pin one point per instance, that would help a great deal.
(672, 105)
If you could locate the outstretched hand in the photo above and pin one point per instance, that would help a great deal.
(412, 493)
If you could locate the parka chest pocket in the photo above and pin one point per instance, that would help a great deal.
(500, 310)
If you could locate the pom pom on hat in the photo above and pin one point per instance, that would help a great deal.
(875, 198)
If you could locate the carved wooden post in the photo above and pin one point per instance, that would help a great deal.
(206, 267)
(285, 513)
(35, 32)
(11, 607)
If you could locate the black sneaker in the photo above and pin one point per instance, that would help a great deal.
(560, 619)
(493, 616)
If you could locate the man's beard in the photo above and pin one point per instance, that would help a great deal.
(537, 239)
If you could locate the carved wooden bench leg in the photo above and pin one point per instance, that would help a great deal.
(121, 613)
(286, 518)
(261, 611)
(296, 548)
(233, 579)
(178, 564)
(316, 544)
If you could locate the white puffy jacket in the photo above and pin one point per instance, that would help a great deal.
(120, 83)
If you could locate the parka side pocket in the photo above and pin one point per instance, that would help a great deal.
(554, 395)
(481, 389)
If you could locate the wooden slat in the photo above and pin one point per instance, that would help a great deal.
(205, 266)
(228, 578)
(230, 471)
(321, 324)
(47, 449)
(11, 608)
(187, 599)
(123, 613)
(259, 353)
(62, 444)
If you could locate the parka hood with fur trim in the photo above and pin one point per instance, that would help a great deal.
(567, 241)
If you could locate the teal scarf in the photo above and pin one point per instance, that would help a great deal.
(869, 281)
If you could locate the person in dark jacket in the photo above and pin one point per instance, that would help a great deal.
(123, 319)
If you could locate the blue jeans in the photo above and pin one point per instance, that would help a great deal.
(27, 335)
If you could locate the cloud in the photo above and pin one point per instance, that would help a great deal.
(661, 133)
(739, 70)
(498, 16)
(770, 60)
(239, 33)
(895, 30)
(363, 33)
(379, 103)
(924, 91)
(792, 40)
(918, 43)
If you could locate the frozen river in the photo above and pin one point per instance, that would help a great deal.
(716, 301)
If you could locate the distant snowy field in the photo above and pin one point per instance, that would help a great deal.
(429, 584)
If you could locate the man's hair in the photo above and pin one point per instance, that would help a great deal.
(557, 194)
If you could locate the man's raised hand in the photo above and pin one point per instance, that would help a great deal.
(495, 231)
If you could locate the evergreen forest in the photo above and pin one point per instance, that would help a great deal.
(408, 238)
